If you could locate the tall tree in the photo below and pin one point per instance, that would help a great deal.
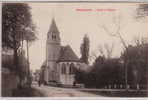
(117, 33)
(17, 26)
(137, 63)
(85, 49)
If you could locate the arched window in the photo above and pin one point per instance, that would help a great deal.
(72, 69)
(63, 68)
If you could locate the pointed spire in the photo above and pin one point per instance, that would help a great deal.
(53, 27)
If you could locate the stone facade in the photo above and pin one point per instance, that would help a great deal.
(66, 72)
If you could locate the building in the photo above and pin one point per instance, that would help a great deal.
(36, 75)
(61, 61)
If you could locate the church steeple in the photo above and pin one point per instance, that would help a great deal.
(53, 27)
(53, 33)
(53, 47)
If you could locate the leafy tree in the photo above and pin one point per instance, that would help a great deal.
(104, 72)
(107, 72)
(137, 62)
(85, 49)
(17, 26)
(118, 34)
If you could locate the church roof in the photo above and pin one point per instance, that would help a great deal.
(53, 27)
(67, 54)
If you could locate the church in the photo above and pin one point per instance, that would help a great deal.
(61, 61)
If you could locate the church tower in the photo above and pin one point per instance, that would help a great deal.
(52, 50)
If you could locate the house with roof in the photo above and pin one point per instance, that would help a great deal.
(61, 61)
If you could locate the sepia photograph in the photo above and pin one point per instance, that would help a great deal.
(74, 49)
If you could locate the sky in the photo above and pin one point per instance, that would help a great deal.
(74, 20)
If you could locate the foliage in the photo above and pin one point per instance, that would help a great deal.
(85, 49)
(104, 72)
(107, 72)
(7, 62)
(17, 26)
(111, 71)
(136, 59)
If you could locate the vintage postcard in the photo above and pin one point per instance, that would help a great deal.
(74, 49)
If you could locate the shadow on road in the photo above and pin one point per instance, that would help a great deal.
(27, 92)
(118, 93)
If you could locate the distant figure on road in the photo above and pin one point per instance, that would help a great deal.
(39, 83)
(74, 83)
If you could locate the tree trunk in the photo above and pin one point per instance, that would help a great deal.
(15, 59)
(28, 74)
(28, 57)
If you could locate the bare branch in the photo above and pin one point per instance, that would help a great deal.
(137, 40)
(108, 32)
(109, 50)
(123, 41)
(102, 53)
(117, 33)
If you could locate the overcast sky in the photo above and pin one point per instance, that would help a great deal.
(74, 24)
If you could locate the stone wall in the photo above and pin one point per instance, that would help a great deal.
(9, 82)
